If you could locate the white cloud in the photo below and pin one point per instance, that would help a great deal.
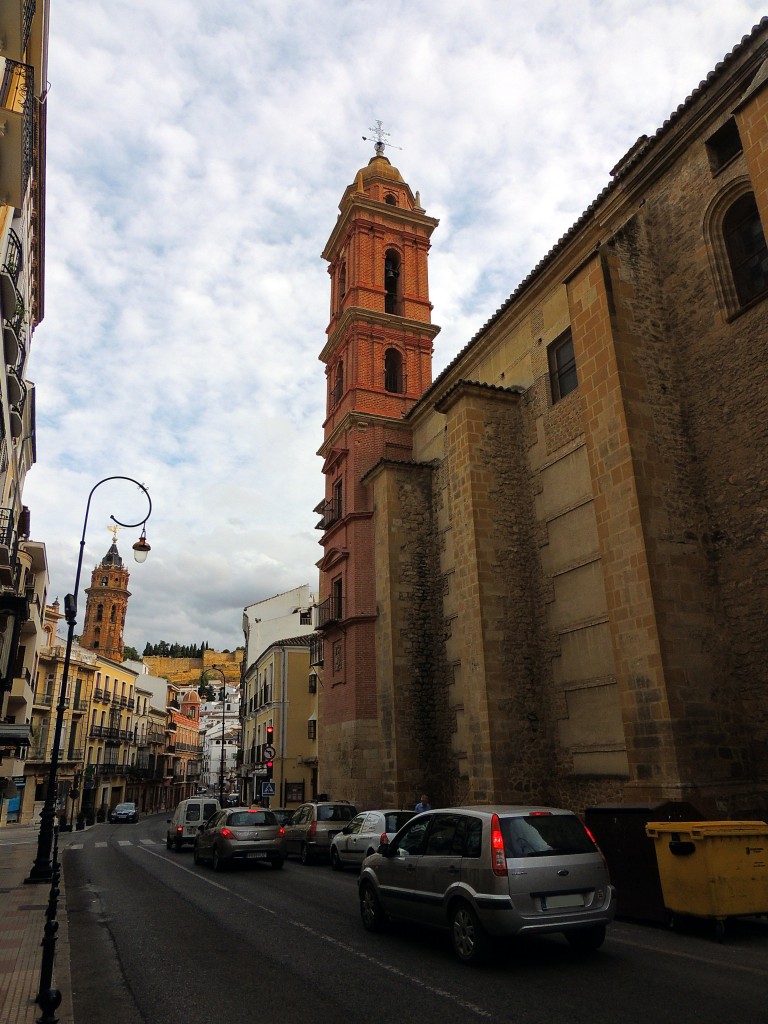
(197, 154)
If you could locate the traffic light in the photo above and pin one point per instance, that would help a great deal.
(269, 770)
(270, 735)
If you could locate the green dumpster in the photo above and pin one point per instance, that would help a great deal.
(716, 869)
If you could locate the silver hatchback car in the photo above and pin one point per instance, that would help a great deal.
(240, 835)
(491, 871)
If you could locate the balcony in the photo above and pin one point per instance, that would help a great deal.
(331, 513)
(131, 703)
(329, 611)
(15, 22)
(17, 143)
(9, 546)
(14, 334)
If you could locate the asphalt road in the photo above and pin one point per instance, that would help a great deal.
(155, 939)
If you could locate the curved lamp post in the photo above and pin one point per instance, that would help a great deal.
(215, 668)
(43, 868)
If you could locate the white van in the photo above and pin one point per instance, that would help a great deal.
(187, 819)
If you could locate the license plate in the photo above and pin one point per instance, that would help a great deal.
(563, 900)
(255, 856)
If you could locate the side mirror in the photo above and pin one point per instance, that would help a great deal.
(387, 850)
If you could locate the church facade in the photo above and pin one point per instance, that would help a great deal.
(545, 573)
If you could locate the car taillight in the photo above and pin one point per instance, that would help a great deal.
(313, 829)
(498, 856)
(281, 831)
(605, 862)
(179, 828)
(384, 839)
(226, 833)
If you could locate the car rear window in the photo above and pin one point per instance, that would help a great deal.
(545, 835)
(250, 818)
(395, 820)
(336, 812)
(193, 812)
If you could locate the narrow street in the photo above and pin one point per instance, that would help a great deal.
(154, 938)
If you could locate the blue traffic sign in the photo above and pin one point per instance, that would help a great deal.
(267, 789)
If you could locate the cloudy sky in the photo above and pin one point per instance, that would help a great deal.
(197, 153)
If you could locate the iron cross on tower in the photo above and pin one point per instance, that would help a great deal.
(380, 136)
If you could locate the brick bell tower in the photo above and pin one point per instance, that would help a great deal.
(106, 605)
(378, 358)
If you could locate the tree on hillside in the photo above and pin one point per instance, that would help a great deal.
(130, 654)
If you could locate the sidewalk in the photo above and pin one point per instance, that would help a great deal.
(22, 920)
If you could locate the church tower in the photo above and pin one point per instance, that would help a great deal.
(378, 358)
(105, 606)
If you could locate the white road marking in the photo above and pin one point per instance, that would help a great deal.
(350, 950)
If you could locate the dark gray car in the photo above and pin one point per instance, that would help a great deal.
(491, 871)
(309, 832)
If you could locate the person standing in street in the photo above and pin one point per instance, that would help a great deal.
(423, 804)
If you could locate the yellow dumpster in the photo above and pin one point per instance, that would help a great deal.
(715, 869)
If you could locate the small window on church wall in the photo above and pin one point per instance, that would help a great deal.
(392, 287)
(99, 612)
(112, 611)
(393, 371)
(390, 199)
(746, 248)
(562, 366)
(724, 145)
(104, 580)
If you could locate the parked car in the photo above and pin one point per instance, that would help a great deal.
(187, 819)
(364, 834)
(485, 872)
(240, 835)
(124, 812)
(313, 826)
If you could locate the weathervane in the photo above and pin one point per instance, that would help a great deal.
(113, 530)
(379, 144)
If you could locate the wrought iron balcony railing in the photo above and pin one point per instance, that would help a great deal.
(329, 611)
(331, 512)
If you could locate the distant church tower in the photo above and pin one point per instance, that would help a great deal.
(378, 358)
(105, 606)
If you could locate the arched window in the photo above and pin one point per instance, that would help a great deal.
(338, 384)
(112, 611)
(99, 612)
(390, 199)
(392, 285)
(393, 371)
(342, 282)
(736, 246)
(746, 248)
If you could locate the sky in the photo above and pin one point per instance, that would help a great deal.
(197, 154)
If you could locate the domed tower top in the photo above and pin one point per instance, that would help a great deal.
(106, 606)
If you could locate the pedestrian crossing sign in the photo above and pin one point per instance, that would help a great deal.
(267, 789)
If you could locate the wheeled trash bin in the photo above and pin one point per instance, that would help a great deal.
(716, 869)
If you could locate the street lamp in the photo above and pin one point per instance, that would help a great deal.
(43, 870)
(215, 668)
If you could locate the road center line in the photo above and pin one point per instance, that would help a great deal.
(418, 982)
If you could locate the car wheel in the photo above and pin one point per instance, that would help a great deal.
(306, 856)
(470, 940)
(217, 860)
(336, 860)
(168, 843)
(587, 940)
(278, 863)
(373, 916)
